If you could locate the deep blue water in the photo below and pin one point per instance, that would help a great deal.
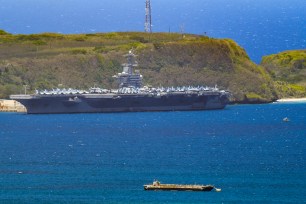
(262, 27)
(247, 150)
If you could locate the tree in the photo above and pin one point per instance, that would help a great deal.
(39, 43)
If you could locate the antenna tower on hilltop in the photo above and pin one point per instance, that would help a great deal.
(148, 22)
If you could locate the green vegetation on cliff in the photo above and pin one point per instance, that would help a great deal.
(288, 69)
(49, 60)
(289, 66)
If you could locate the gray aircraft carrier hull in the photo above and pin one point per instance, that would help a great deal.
(107, 103)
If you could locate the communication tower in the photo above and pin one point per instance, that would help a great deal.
(148, 21)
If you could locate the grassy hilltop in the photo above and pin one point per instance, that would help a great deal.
(49, 60)
(288, 69)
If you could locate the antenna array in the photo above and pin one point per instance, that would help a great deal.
(148, 20)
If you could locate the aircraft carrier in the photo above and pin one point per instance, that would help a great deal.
(131, 96)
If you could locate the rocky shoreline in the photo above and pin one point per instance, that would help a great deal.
(11, 106)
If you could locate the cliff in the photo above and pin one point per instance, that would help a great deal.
(11, 106)
(288, 70)
(49, 60)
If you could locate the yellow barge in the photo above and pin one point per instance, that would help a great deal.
(157, 186)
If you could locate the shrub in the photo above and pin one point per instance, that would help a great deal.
(139, 39)
(3, 32)
(79, 51)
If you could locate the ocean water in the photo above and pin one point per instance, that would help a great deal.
(246, 150)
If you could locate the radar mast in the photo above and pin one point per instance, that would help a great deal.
(148, 20)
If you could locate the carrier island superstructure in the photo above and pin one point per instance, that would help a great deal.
(131, 96)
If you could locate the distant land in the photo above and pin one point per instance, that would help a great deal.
(51, 60)
(261, 27)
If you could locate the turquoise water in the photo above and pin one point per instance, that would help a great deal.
(247, 150)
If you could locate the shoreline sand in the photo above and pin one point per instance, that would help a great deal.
(292, 100)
